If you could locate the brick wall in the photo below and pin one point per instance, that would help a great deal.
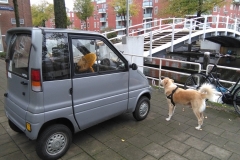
(24, 9)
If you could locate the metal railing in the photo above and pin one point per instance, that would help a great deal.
(207, 24)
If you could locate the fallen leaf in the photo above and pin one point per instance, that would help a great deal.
(123, 140)
(230, 120)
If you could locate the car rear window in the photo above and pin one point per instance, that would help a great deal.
(19, 52)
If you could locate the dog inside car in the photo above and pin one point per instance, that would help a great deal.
(193, 98)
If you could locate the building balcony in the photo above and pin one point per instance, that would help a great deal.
(103, 19)
(119, 26)
(103, 27)
(102, 10)
(147, 4)
(147, 16)
(120, 18)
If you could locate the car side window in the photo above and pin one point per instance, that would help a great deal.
(94, 56)
(55, 57)
(19, 54)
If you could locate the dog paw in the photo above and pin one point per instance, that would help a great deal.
(198, 128)
(168, 119)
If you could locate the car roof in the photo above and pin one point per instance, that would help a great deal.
(63, 30)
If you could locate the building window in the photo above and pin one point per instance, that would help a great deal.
(3, 1)
(156, 1)
(94, 16)
(94, 24)
(97, 24)
(156, 10)
(155, 21)
(215, 9)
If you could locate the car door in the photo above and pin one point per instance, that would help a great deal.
(100, 91)
(18, 77)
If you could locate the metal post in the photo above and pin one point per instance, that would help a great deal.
(204, 26)
(235, 26)
(160, 24)
(190, 33)
(173, 27)
(217, 25)
(226, 25)
(150, 50)
(127, 24)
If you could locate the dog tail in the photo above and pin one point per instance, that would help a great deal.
(208, 91)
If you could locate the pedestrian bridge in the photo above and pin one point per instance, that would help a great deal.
(166, 35)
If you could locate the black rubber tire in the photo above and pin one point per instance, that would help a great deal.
(142, 109)
(56, 135)
(192, 81)
(236, 100)
(14, 127)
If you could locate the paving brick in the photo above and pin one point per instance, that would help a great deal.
(132, 152)
(155, 150)
(178, 125)
(196, 133)
(171, 156)
(108, 154)
(178, 135)
(180, 118)
(232, 146)
(139, 141)
(229, 127)
(15, 155)
(117, 144)
(197, 143)
(231, 136)
(148, 157)
(8, 148)
(218, 152)
(234, 157)
(162, 128)
(159, 138)
(195, 154)
(93, 147)
(5, 138)
(213, 129)
(73, 151)
(176, 146)
(215, 139)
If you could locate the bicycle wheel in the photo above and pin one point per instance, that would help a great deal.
(194, 81)
(236, 100)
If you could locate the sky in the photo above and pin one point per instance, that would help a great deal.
(68, 3)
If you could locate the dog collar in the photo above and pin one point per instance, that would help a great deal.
(171, 96)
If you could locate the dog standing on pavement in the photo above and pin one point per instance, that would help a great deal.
(195, 99)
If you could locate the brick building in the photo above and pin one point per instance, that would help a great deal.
(7, 16)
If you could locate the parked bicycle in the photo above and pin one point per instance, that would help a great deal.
(230, 95)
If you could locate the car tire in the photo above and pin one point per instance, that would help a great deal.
(142, 109)
(53, 142)
(14, 127)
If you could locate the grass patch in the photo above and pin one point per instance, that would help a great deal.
(220, 106)
(2, 54)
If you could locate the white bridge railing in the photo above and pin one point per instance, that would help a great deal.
(206, 24)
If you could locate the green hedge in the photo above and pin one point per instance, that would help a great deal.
(2, 54)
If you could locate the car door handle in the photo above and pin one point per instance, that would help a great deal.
(24, 83)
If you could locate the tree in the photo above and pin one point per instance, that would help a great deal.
(84, 9)
(60, 14)
(120, 7)
(41, 13)
(16, 13)
(181, 8)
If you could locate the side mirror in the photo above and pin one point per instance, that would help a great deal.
(134, 66)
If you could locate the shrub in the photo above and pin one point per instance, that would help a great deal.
(2, 54)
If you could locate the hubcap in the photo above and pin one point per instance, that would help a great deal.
(56, 143)
(143, 109)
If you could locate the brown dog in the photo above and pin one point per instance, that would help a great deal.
(196, 99)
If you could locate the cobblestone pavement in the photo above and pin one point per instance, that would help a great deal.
(123, 138)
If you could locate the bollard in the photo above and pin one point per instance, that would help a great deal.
(206, 59)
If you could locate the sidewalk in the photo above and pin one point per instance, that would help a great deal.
(122, 138)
